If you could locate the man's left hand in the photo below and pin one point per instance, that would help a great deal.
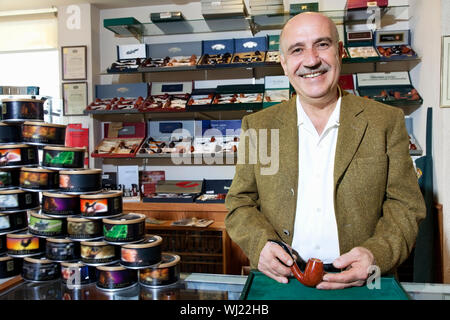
(356, 262)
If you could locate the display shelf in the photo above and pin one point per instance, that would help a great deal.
(254, 24)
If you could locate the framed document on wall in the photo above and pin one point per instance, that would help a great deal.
(74, 65)
(75, 98)
(445, 72)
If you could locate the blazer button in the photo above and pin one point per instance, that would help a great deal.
(292, 191)
(286, 232)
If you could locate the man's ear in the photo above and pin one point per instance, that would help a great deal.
(283, 63)
(341, 49)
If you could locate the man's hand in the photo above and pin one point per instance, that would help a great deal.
(357, 262)
(271, 266)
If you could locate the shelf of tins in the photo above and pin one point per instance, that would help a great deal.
(130, 27)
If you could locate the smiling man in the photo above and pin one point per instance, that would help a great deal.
(346, 191)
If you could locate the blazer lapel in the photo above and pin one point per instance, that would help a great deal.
(351, 132)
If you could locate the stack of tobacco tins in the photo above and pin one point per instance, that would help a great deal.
(56, 222)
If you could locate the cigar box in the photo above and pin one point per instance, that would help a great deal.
(276, 90)
(266, 7)
(121, 140)
(347, 84)
(167, 97)
(214, 191)
(394, 45)
(360, 46)
(393, 88)
(213, 9)
(166, 137)
(273, 49)
(129, 58)
(218, 136)
(216, 53)
(184, 191)
(201, 99)
(118, 97)
(148, 181)
(249, 51)
(158, 17)
(239, 97)
(172, 56)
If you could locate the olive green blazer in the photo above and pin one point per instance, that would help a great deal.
(378, 203)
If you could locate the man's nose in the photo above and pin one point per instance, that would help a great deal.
(311, 58)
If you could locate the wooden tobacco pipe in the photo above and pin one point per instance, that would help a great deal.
(313, 273)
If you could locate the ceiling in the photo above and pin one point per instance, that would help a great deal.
(7, 5)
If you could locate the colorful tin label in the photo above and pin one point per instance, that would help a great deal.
(45, 226)
(10, 156)
(62, 251)
(98, 254)
(40, 271)
(84, 229)
(80, 182)
(116, 279)
(25, 109)
(76, 274)
(9, 201)
(23, 246)
(39, 180)
(63, 159)
(60, 206)
(43, 134)
(168, 272)
(123, 232)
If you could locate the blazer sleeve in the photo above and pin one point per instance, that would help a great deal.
(404, 206)
(245, 223)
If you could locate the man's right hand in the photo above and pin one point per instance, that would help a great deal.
(271, 266)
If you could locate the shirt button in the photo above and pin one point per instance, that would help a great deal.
(286, 232)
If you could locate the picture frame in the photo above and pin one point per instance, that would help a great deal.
(75, 98)
(74, 66)
(445, 73)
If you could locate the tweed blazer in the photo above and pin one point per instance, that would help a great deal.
(377, 200)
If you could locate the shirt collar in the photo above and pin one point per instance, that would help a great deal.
(334, 117)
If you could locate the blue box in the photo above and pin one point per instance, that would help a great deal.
(397, 41)
(250, 51)
(126, 90)
(213, 48)
(226, 127)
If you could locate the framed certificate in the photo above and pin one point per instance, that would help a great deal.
(445, 73)
(75, 98)
(74, 65)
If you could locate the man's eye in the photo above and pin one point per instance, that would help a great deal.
(323, 45)
(297, 50)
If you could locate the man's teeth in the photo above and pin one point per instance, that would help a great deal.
(312, 75)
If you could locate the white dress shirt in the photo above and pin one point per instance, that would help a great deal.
(315, 229)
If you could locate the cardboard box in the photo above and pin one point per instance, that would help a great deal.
(222, 8)
(122, 140)
(360, 46)
(200, 99)
(180, 55)
(364, 4)
(276, 90)
(273, 49)
(167, 97)
(249, 51)
(214, 191)
(129, 58)
(216, 53)
(118, 97)
(148, 181)
(159, 17)
(176, 191)
(394, 45)
(239, 97)
(218, 136)
(394, 88)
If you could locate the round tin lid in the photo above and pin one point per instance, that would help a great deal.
(44, 124)
(74, 219)
(129, 218)
(78, 264)
(38, 260)
(9, 124)
(82, 171)
(149, 242)
(109, 194)
(168, 260)
(6, 258)
(95, 243)
(60, 240)
(38, 170)
(14, 191)
(11, 213)
(43, 216)
(64, 148)
(114, 267)
(21, 235)
(22, 100)
(58, 195)
(15, 146)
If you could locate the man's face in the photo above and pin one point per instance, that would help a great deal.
(311, 57)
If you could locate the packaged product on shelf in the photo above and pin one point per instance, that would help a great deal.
(148, 181)
(167, 97)
(359, 45)
(121, 139)
(393, 88)
(238, 97)
(18, 155)
(177, 56)
(347, 84)
(39, 179)
(218, 136)
(129, 58)
(60, 158)
(273, 50)
(176, 191)
(216, 53)
(201, 99)
(276, 90)
(394, 44)
(21, 109)
(214, 191)
(249, 51)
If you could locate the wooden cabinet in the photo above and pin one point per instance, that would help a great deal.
(204, 250)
